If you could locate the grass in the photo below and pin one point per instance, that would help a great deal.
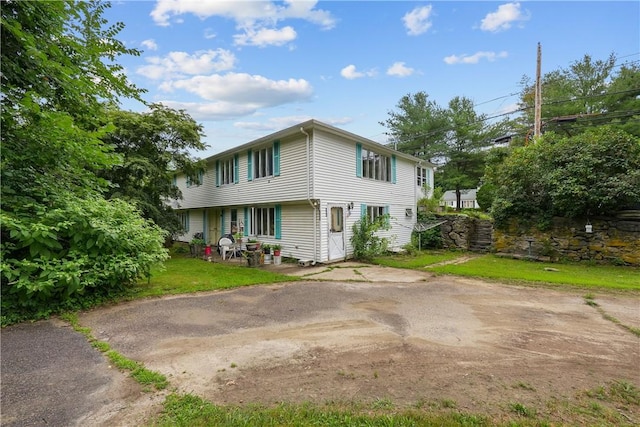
(137, 370)
(418, 261)
(182, 275)
(575, 274)
(612, 404)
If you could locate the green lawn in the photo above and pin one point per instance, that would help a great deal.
(577, 274)
(184, 275)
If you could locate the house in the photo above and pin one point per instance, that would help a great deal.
(467, 199)
(303, 188)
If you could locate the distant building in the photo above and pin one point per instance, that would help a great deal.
(467, 199)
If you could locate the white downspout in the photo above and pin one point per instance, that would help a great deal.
(309, 193)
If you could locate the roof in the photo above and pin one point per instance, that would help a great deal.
(468, 194)
(315, 124)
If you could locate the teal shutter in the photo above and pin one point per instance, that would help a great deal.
(200, 177)
(359, 160)
(247, 221)
(249, 165)
(175, 181)
(278, 222)
(393, 169)
(217, 173)
(188, 221)
(204, 225)
(363, 210)
(236, 168)
(222, 225)
(276, 158)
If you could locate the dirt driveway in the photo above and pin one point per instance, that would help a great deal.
(356, 333)
(394, 337)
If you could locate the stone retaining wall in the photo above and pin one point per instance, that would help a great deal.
(613, 240)
(462, 232)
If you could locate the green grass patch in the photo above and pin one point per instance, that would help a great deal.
(577, 274)
(418, 261)
(182, 275)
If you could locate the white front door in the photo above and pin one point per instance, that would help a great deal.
(336, 232)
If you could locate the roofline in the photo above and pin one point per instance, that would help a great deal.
(311, 125)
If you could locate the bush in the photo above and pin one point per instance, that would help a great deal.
(73, 253)
(366, 244)
(428, 239)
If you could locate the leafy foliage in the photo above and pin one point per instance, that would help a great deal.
(590, 92)
(366, 243)
(63, 244)
(596, 172)
(431, 238)
(77, 249)
(152, 145)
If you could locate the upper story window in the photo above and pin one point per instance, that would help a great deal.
(227, 171)
(263, 162)
(423, 176)
(373, 165)
(198, 179)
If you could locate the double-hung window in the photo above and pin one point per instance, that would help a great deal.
(374, 165)
(263, 221)
(227, 171)
(184, 220)
(198, 179)
(423, 176)
(263, 162)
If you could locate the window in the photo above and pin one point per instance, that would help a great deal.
(374, 212)
(196, 180)
(263, 221)
(373, 165)
(227, 172)
(423, 176)
(263, 162)
(336, 219)
(184, 220)
(234, 221)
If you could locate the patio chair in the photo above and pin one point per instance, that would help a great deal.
(226, 246)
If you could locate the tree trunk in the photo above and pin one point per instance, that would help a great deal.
(458, 199)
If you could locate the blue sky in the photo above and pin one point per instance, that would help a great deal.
(244, 69)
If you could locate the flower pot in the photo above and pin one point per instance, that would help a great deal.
(276, 252)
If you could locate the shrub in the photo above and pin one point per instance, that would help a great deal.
(72, 253)
(366, 243)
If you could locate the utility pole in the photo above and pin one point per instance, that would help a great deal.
(537, 125)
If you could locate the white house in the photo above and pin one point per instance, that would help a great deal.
(468, 199)
(303, 188)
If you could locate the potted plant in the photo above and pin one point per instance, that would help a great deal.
(196, 244)
(276, 249)
(252, 245)
(266, 249)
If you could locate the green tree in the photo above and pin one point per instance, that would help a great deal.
(419, 127)
(152, 146)
(596, 172)
(466, 141)
(587, 93)
(58, 63)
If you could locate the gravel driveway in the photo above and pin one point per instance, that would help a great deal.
(405, 337)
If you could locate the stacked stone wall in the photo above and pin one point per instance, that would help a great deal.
(612, 240)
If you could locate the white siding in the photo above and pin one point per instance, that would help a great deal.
(196, 225)
(332, 165)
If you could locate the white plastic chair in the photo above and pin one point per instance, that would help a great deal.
(226, 245)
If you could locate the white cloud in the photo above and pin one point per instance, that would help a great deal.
(265, 37)
(213, 111)
(149, 44)
(244, 89)
(502, 18)
(180, 64)
(257, 20)
(278, 123)
(417, 21)
(398, 69)
(475, 58)
(349, 72)
(209, 34)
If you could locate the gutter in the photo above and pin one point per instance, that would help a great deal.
(313, 203)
